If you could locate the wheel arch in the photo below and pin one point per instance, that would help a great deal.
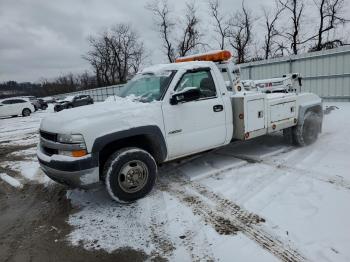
(24, 108)
(148, 138)
(303, 109)
(28, 109)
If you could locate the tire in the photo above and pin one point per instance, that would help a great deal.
(70, 106)
(26, 112)
(141, 171)
(288, 136)
(307, 133)
(35, 108)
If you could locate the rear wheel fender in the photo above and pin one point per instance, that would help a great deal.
(303, 109)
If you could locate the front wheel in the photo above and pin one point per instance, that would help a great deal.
(26, 112)
(130, 174)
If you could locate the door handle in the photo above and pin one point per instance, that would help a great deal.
(218, 108)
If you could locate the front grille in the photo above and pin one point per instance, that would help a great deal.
(49, 151)
(48, 136)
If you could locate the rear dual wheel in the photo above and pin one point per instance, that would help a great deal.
(130, 174)
(307, 132)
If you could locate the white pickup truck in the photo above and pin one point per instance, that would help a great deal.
(164, 113)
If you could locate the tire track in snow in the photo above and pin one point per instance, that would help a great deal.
(228, 218)
(161, 235)
(164, 246)
(160, 232)
(335, 180)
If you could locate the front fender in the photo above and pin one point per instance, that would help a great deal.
(153, 133)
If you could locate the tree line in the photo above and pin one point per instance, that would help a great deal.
(119, 52)
(49, 87)
(285, 28)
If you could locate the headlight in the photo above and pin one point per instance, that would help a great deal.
(70, 139)
(74, 145)
(65, 153)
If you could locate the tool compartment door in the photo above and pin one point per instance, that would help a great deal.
(282, 111)
(255, 115)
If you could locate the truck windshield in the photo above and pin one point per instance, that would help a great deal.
(148, 87)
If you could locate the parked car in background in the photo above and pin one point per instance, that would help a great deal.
(42, 104)
(38, 103)
(73, 101)
(49, 99)
(34, 101)
(16, 106)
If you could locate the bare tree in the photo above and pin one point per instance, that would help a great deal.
(115, 54)
(240, 33)
(188, 30)
(85, 81)
(296, 8)
(127, 51)
(190, 36)
(329, 18)
(281, 49)
(221, 24)
(99, 59)
(271, 31)
(161, 12)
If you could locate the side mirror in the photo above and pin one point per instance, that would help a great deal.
(187, 95)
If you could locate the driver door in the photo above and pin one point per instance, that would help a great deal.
(198, 125)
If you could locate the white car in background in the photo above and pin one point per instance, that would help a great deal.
(15, 106)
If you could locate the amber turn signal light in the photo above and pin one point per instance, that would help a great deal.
(79, 153)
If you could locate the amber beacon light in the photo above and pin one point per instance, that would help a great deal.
(214, 56)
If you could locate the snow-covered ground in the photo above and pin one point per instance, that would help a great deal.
(260, 200)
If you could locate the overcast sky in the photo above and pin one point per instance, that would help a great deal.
(43, 38)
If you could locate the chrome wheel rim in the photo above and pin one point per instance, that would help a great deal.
(133, 176)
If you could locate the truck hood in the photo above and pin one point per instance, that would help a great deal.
(103, 118)
(91, 112)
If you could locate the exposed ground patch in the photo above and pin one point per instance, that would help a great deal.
(8, 149)
(34, 228)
